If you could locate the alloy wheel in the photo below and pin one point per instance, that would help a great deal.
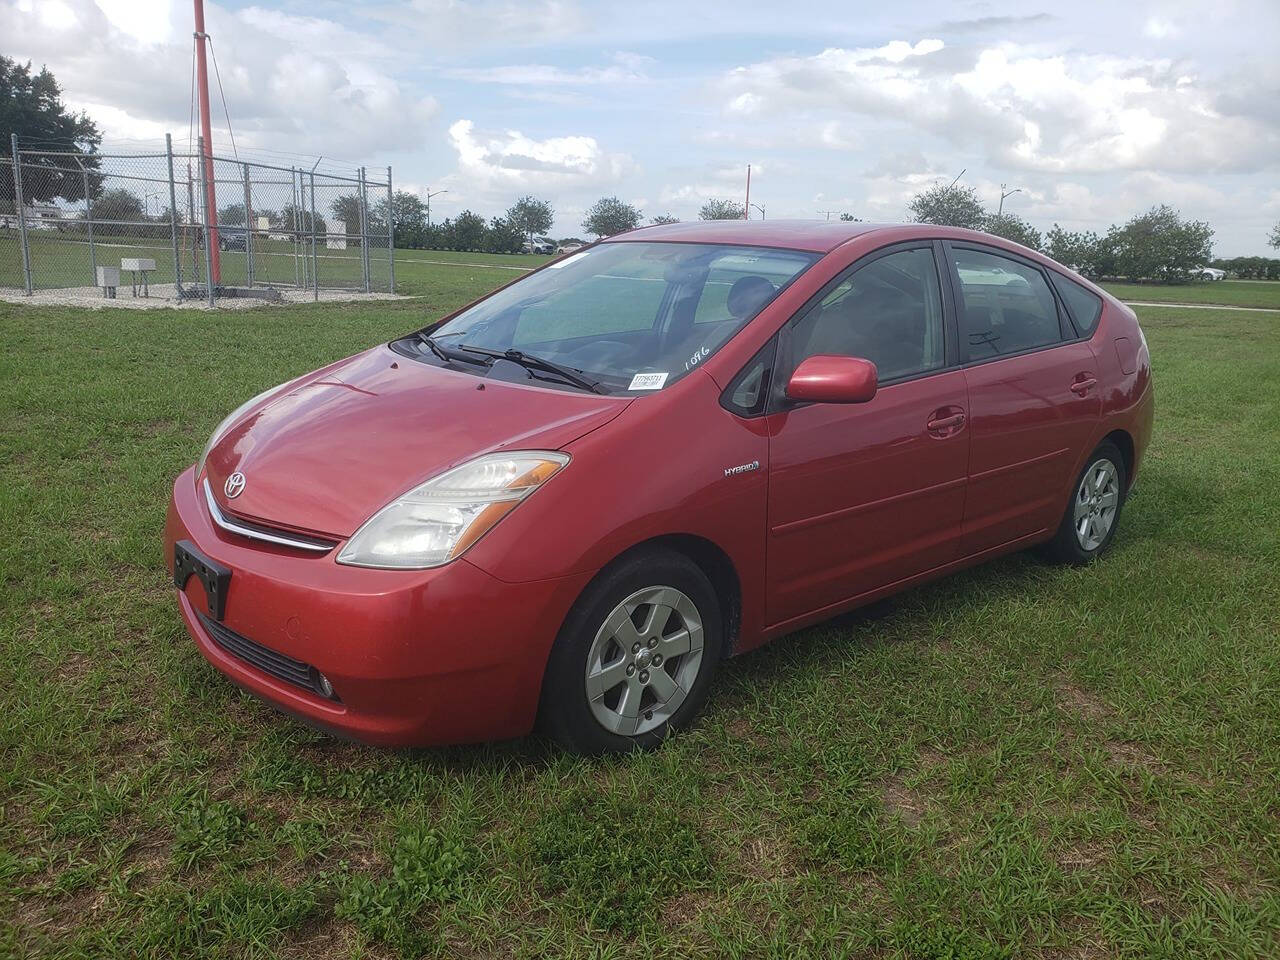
(1096, 503)
(644, 660)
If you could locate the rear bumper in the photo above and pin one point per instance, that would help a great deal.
(430, 657)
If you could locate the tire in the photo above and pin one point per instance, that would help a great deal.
(601, 694)
(1092, 516)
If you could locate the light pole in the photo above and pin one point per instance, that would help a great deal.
(146, 202)
(1003, 194)
(760, 208)
(429, 196)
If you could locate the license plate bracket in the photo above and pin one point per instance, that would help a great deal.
(213, 576)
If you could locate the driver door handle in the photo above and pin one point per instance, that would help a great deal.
(1084, 385)
(943, 423)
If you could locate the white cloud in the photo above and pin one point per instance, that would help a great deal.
(625, 68)
(1023, 108)
(306, 85)
(494, 166)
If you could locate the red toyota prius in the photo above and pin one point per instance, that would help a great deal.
(565, 504)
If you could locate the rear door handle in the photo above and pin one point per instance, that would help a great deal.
(1084, 385)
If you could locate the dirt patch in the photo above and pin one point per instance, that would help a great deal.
(684, 909)
(767, 858)
(1076, 700)
(1083, 856)
(1129, 754)
(901, 800)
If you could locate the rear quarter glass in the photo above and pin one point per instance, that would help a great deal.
(1085, 306)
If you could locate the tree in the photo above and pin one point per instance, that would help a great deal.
(117, 204)
(1159, 244)
(1013, 227)
(469, 231)
(722, 210)
(950, 206)
(408, 219)
(294, 218)
(232, 215)
(609, 215)
(504, 236)
(664, 218)
(1274, 239)
(531, 216)
(347, 209)
(1079, 251)
(850, 218)
(32, 107)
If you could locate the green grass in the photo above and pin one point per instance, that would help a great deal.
(63, 261)
(1233, 293)
(1020, 761)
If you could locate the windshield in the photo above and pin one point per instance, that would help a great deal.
(633, 316)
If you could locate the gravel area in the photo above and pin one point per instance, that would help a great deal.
(165, 295)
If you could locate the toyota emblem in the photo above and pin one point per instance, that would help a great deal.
(234, 485)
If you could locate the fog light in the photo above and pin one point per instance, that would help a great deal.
(322, 684)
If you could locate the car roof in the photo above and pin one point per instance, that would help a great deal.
(818, 236)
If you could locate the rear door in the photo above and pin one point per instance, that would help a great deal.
(863, 495)
(1034, 397)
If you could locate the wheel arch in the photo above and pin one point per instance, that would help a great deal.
(1124, 443)
(711, 559)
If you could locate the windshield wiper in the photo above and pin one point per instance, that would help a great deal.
(533, 362)
(446, 353)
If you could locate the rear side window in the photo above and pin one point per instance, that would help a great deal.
(1085, 306)
(1008, 306)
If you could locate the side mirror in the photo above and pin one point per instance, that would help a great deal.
(828, 379)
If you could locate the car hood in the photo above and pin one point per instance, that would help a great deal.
(330, 450)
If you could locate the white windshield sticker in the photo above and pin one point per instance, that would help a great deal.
(648, 381)
(568, 260)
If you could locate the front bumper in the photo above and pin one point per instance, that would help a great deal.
(416, 658)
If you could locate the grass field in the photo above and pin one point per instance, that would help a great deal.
(1021, 761)
(1234, 293)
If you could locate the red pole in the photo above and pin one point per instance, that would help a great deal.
(746, 207)
(210, 198)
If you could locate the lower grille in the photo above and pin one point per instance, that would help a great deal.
(269, 661)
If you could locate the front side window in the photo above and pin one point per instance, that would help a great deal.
(888, 311)
(1008, 306)
(632, 316)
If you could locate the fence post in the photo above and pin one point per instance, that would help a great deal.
(315, 256)
(364, 230)
(173, 219)
(191, 217)
(295, 229)
(209, 241)
(22, 215)
(391, 232)
(88, 219)
(248, 230)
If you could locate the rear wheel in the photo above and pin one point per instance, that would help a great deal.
(1093, 513)
(635, 657)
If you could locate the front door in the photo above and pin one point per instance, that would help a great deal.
(864, 495)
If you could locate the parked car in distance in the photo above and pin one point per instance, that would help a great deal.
(229, 238)
(540, 245)
(570, 247)
(567, 503)
(1208, 273)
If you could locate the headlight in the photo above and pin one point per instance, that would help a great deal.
(437, 521)
(229, 419)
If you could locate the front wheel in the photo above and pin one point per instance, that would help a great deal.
(1093, 514)
(635, 657)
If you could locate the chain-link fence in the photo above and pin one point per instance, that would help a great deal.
(139, 221)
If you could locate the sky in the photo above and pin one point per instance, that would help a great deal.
(1094, 112)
